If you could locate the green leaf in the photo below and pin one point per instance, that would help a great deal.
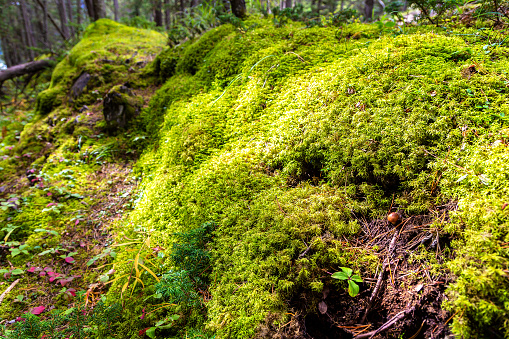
(69, 311)
(340, 276)
(151, 332)
(347, 270)
(15, 251)
(356, 278)
(20, 297)
(390, 24)
(17, 271)
(91, 261)
(353, 288)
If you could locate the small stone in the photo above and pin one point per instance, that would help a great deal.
(418, 287)
(322, 307)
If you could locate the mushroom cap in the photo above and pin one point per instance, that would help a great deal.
(393, 218)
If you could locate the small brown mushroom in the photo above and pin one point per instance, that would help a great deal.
(394, 218)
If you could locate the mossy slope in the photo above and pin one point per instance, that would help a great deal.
(315, 134)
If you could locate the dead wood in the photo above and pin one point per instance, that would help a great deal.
(23, 69)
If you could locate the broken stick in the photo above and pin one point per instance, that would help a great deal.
(8, 290)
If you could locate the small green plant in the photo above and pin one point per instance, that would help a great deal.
(162, 324)
(352, 279)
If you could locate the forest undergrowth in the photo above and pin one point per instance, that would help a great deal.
(249, 197)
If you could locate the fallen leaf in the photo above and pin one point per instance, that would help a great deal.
(69, 260)
(37, 310)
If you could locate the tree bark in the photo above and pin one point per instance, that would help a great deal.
(368, 10)
(115, 12)
(69, 14)
(167, 14)
(90, 9)
(288, 3)
(29, 33)
(238, 8)
(19, 70)
(158, 14)
(63, 18)
(78, 12)
(99, 9)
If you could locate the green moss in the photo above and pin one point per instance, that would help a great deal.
(314, 130)
(106, 52)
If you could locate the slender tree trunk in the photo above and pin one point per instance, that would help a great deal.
(69, 14)
(368, 10)
(319, 7)
(288, 4)
(342, 4)
(115, 12)
(78, 12)
(63, 18)
(46, 38)
(29, 33)
(194, 3)
(158, 14)
(182, 8)
(238, 8)
(167, 14)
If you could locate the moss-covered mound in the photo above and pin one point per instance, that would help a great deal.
(295, 143)
(108, 52)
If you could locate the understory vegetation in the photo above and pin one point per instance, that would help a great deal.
(267, 160)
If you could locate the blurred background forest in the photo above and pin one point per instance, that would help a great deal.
(33, 28)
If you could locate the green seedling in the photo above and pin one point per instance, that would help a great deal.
(352, 279)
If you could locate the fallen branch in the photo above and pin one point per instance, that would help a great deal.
(387, 325)
(19, 70)
(8, 290)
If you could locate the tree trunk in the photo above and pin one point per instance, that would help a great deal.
(342, 4)
(288, 4)
(90, 9)
(319, 6)
(63, 18)
(368, 10)
(99, 9)
(158, 14)
(19, 70)
(182, 8)
(69, 14)
(194, 3)
(29, 33)
(238, 8)
(78, 12)
(167, 14)
(115, 12)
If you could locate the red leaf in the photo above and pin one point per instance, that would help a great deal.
(49, 194)
(51, 274)
(69, 260)
(77, 222)
(31, 269)
(51, 279)
(72, 292)
(51, 204)
(37, 310)
(42, 274)
(142, 332)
